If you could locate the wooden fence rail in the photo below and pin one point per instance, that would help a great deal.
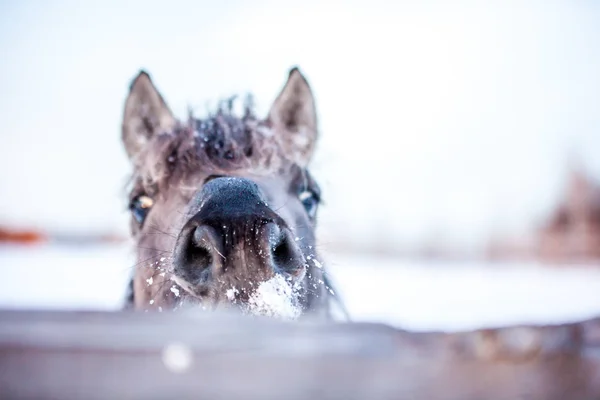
(126, 355)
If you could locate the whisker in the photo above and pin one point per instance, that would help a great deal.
(219, 253)
(186, 214)
(154, 249)
(143, 261)
(279, 208)
(155, 227)
(161, 287)
(161, 231)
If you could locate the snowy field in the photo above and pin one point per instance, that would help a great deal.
(408, 294)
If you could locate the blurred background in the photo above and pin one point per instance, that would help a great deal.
(459, 155)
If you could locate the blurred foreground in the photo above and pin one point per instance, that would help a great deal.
(194, 355)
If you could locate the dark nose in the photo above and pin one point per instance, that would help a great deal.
(248, 238)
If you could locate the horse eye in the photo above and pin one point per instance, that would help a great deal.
(140, 206)
(310, 202)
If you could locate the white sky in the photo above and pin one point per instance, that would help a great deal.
(438, 120)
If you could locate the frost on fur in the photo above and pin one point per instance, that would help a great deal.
(275, 298)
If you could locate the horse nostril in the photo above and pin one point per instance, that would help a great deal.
(199, 254)
(194, 255)
(281, 252)
(284, 253)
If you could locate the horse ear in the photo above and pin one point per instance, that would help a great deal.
(293, 114)
(146, 114)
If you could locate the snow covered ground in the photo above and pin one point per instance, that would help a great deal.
(409, 294)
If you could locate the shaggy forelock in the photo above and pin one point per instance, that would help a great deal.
(220, 143)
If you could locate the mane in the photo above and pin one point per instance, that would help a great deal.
(221, 142)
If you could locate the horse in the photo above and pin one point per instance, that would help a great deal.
(224, 208)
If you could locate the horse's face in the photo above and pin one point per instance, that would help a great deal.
(224, 208)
